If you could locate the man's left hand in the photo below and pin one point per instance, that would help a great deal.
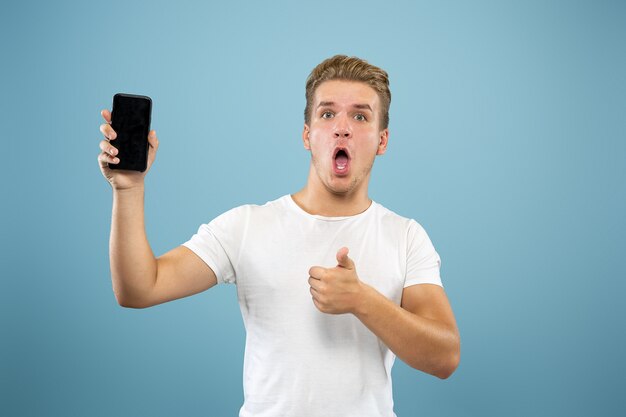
(337, 290)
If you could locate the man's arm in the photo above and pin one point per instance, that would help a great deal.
(139, 280)
(181, 273)
(422, 332)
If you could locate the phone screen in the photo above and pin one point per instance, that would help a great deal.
(130, 118)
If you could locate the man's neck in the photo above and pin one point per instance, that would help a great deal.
(322, 202)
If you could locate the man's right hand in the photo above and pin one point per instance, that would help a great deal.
(121, 179)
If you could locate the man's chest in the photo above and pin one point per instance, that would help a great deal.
(273, 266)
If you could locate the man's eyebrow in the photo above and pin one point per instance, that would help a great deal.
(356, 106)
(363, 106)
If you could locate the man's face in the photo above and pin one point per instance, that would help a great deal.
(344, 135)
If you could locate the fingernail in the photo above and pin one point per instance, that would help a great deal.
(113, 151)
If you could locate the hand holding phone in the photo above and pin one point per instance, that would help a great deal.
(132, 119)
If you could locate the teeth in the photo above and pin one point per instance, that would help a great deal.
(341, 166)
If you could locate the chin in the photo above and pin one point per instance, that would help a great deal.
(348, 185)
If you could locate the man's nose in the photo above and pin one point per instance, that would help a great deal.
(342, 128)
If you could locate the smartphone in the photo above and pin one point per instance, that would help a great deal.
(130, 118)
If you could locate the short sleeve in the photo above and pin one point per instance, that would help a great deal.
(217, 244)
(423, 261)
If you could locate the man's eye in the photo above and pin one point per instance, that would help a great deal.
(327, 115)
(360, 117)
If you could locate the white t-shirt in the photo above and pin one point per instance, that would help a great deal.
(298, 361)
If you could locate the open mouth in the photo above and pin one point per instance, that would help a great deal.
(341, 161)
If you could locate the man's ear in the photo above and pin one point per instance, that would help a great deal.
(305, 137)
(382, 143)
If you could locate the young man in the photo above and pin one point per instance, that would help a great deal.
(332, 286)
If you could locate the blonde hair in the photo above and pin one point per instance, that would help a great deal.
(342, 67)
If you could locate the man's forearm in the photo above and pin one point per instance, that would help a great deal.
(133, 266)
(423, 344)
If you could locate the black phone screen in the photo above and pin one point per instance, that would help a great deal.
(130, 118)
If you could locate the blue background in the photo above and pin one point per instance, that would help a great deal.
(507, 143)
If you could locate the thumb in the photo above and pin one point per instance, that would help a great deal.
(153, 140)
(343, 260)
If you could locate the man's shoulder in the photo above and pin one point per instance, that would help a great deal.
(391, 219)
(388, 215)
(252, 209)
